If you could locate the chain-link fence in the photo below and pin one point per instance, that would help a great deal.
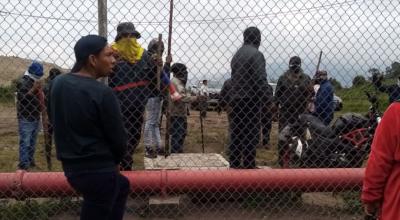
(211, 127)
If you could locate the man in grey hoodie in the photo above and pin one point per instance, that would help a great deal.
(248, 80)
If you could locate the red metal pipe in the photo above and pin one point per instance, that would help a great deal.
(54, 184)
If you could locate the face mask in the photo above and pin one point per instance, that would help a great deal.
(183, 79)
(317, 80)
(295, 67)
(32, 76)
(128, 49)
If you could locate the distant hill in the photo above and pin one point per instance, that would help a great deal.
(13, 67)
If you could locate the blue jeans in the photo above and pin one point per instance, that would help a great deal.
(178, 133)
(152, 137)
(104, 194)
(28, 131)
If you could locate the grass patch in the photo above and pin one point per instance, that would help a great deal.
(7, 93)
(355, 100)
(36, 209)
(352, 202)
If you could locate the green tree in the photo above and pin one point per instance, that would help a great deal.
(336, 84)
(395, 69)
(359, 80)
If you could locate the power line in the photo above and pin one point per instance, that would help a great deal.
(46, 17)
(199, 21)
(290, 12)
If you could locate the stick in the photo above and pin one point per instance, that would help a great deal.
(202, 132)
(45, 123)
(167, 115)
(159, 57)
(47, 140)
(171, 10)
(319, 61)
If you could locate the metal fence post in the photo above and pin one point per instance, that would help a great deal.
(102, 25)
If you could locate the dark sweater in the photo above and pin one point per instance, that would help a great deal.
(88, 128)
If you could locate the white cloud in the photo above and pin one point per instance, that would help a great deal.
(353, 34)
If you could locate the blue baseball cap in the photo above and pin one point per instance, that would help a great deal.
(36, 69)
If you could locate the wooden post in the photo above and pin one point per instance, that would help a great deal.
(159, 57)
(319, 62)
(167, 99)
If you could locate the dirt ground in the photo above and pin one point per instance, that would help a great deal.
(307, 210)
(314, 205)
(215, 139)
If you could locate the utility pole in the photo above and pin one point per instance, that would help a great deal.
(167, 99)
(102, 25)
(102, 17)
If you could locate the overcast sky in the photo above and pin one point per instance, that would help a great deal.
(354, 35)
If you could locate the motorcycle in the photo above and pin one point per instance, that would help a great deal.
(308, 143)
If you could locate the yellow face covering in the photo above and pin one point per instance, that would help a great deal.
(128, 49)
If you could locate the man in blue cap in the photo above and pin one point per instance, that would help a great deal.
(29, 106)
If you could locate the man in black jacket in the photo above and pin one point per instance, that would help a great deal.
(89, 134)
(29, 107)
(131, 82)
(248, 81)
(293, 93)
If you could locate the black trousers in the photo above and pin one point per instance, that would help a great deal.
(133, 104)
(104, 194)
(266, 125)
(244, 133)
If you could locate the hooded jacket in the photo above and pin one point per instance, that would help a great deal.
(324, 106)
(381, 180)
(28, 104)
(249, 77)
(293, 93)
(139, 74)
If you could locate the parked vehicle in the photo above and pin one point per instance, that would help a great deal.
(214, 89)
(347, 143)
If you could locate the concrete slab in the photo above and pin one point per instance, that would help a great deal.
(164, 200)
(171, 206)
(187, 161)
(264, 167)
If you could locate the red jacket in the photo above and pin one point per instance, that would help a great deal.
(382, 176)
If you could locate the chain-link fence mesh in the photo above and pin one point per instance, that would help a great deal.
(304, 89)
